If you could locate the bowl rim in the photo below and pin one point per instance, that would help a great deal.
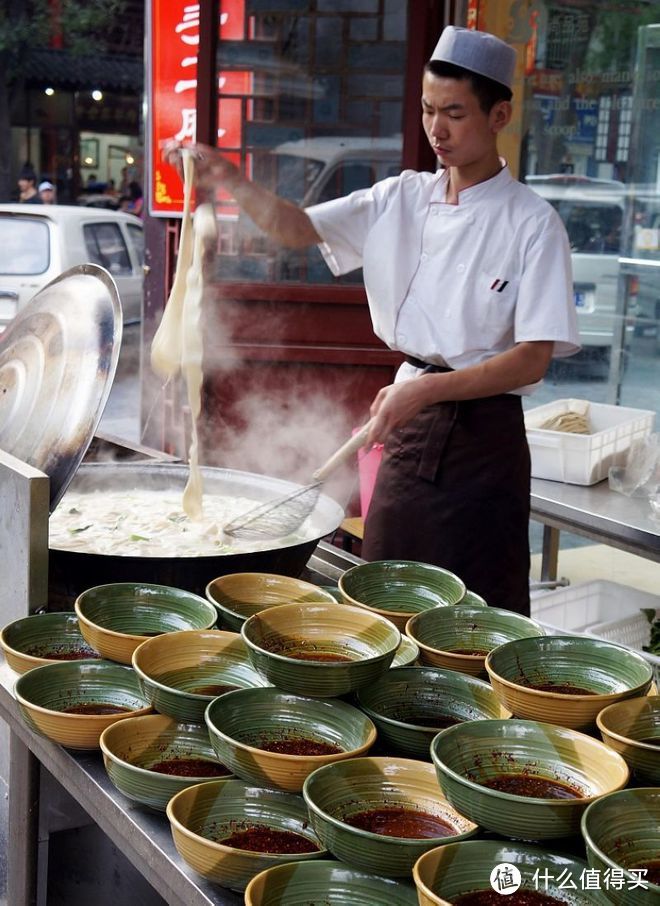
(172, 689)
(298, 663)
(370, 835)
(451, 675)
(283, 756)
(512, 797)
(529, 849)
(328, 864)
(166, 778)
(589, 841)
(221, 847)
(395, 562)
(628, 740)
(567, 696)
(79, 602)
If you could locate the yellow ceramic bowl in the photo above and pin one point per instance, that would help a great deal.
(114, 619)
(182, 672)
(45, 693)
(632, 728)
(322, 650)
(203, 816)
(239, 595)
(565, 680)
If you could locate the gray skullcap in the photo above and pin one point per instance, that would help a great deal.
(477, 51)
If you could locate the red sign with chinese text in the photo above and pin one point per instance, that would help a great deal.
(171, 101)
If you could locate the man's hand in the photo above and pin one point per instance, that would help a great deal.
(211, 167)
(395, 405)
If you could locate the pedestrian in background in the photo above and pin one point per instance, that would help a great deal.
(47, 192)
(27, 186)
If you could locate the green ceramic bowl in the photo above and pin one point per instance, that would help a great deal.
(115, 619)
(389, 793)
(448, 872)
(151, 758)
(406, 654)
(410, 705)
(320, 650)
(459, 638)
(622, 834)
(472, 599)
(241, 724)
(302, 883)
(470, 754)
(203, 816)
(44, 638)
(632, 728)
(238, 596)
(182, 672)
(72, 702)
(605, 672)
(397, 589)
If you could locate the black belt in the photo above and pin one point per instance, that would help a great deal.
(426, 366)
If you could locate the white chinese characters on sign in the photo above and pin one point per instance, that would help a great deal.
(188, 31)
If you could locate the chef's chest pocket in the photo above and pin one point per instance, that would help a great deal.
(493, 304)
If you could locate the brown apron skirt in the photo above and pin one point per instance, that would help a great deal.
(453, 489)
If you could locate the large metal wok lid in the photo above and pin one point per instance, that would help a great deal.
(57, 363)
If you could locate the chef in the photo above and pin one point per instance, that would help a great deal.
(468, 274)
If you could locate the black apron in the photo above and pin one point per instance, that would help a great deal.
(453, 489)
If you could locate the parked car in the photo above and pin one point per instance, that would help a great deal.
(39, 242)
(592, 211)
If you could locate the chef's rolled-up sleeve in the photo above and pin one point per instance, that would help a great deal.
(343, 225)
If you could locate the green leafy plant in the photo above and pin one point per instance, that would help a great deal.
(652, 616)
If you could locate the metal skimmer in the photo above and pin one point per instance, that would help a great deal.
(284, 515)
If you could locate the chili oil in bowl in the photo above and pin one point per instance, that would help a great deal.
(632, 728)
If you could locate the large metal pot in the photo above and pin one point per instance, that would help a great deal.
(71, 572)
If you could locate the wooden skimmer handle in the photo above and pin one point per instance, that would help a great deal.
(351, 446)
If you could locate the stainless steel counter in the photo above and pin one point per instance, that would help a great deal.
(594, 512)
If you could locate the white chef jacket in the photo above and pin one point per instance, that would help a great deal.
(454, 284)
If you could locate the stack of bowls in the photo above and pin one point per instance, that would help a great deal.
(270, 737)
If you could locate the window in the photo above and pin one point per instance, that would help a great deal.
(25, 246)
(137, 238)
(106, 247)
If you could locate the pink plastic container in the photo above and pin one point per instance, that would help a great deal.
(368, 463)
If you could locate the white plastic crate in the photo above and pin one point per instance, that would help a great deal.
(600, 609)
(584, 458)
